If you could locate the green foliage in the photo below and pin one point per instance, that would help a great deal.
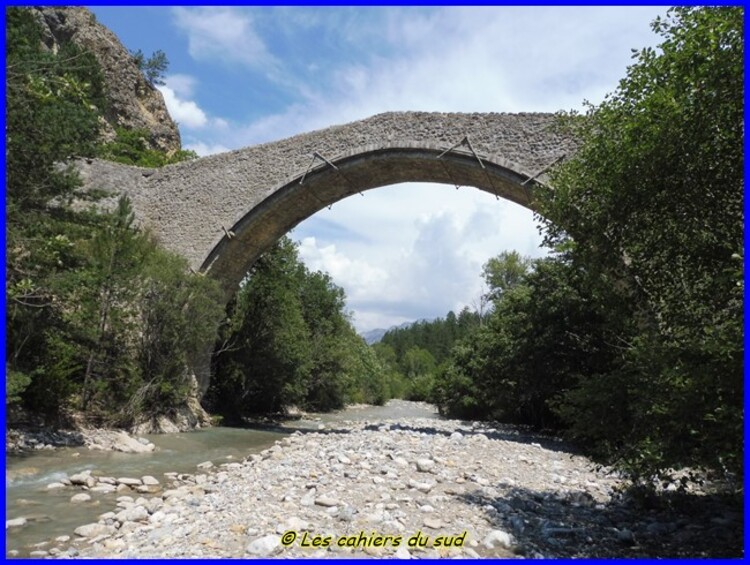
(97, 318)
(114, 326)
(654, 201)
(630, 339)
(288, 342)
(543, 333)
(154, 67)
(413, 356)
(15, 384)
(436, 337)
(131, 147)
(52, 105)
(505, 272)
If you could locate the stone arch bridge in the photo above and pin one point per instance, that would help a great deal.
(223, 211)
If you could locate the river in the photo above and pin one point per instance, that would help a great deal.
(50, 512)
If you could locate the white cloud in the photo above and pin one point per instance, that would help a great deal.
(182, 85)
(176, 91)
(222, 33)
(361, 278)
(184, 112)
(414, 251)
(490, 59)
(421, 260)
(203, 149)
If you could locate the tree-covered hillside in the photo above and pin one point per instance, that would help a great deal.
(100, 321)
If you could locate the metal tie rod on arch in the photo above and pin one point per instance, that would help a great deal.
(316, 155)
(467, 142)
(544, 170)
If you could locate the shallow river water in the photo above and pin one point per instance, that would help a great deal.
(50, 512)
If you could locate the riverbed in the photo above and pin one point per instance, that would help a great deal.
(374, 482)
(50, 513)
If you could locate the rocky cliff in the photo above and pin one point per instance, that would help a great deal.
(133, 102)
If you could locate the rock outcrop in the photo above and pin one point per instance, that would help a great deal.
(134, 103)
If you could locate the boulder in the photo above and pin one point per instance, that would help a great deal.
(92, 530)
(265, 546)
(498, 538)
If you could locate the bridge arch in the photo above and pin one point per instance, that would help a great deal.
(222, 211)
(329, 180)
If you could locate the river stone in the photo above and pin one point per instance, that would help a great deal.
(80, 497)
(53, 486)
(327, 501)
(62, 539)
(15, 523)
(420, 486)
(147, 489)
(132, 514)
(148, 480)
(121, 441)
(347, 514)
(129, 481)
(80, 478)
(402, 553)
(433, 523)
(205, 465)
(115, 544)
(297, 524)
(92, 530)
(105, 488)
(626, 536)
(498, 538)
(265, 546)
(425, 465)
(175, 493)
(84, 480)
(38, 553)
(107, 480)
(401, 462)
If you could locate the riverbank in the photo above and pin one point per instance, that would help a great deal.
(381, 488)
(19, 440)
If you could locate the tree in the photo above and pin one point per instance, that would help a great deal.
(504, 272)
(154, 67)
(653, 200)
(289, 342)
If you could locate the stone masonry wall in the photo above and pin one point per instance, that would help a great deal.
(189, 205)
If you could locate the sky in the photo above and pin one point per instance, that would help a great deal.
(240, 76)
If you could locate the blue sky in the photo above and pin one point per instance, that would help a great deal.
(239, 76)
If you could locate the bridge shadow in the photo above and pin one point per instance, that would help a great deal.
(550, 524)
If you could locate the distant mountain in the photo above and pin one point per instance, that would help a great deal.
(374, 336)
